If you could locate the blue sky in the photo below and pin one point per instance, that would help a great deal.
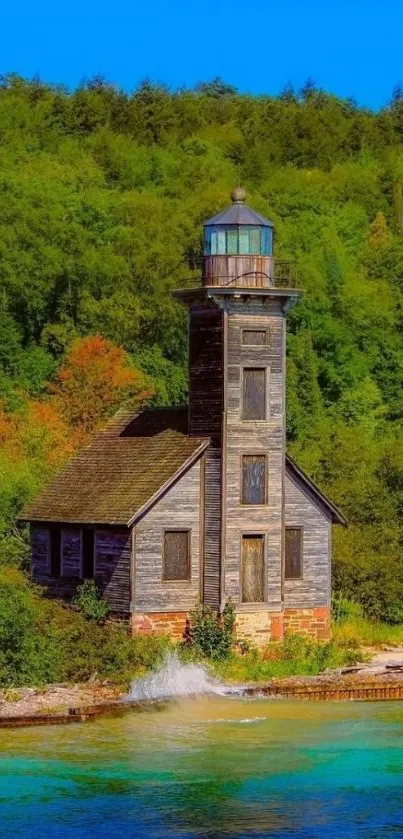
(350, 47)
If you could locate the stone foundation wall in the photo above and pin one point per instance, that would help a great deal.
(259, 627)
(173, 624)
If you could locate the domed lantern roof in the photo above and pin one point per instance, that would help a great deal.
(238, 230)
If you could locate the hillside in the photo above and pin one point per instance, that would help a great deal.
(102, 199)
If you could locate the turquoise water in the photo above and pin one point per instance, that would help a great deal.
(210, 767)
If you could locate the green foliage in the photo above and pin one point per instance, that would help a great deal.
(344, 609)
(43, 641)
(103, 195)
(211, 634)
(297, 655)
(89, 602)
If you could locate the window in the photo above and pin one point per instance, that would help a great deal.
(293, 553)
(176, 564)
(254, 393)
(55, 552)
(71, 552)
(252, 569)
(254, 479)
(255, 337)
(87, 570)
(238, 239)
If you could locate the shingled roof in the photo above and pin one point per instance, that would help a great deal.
(122, 472)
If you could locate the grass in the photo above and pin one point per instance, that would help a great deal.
(367, 633)
(295, 656)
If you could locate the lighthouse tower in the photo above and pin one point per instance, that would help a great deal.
(237, 335)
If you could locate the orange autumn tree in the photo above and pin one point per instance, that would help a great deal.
(95, 379)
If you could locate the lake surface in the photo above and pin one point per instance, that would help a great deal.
(210, 767)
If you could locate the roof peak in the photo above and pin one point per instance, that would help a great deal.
(238, 213)
(238, 195)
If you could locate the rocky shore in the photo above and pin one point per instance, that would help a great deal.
(380, 678)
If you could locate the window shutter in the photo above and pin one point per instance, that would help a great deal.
(176, 564)
(254, 393)
(252, 569)
(254, 479)
(293, 553)
(71, 552)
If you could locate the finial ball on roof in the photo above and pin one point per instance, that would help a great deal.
(238, 195)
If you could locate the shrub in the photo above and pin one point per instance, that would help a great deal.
(89, 602)
(345, 609)
(210, 633)
(45, 641)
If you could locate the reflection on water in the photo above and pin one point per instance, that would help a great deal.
(210, 767)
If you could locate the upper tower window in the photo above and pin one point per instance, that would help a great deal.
(232, 240)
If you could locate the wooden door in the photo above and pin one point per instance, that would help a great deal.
(252, 569)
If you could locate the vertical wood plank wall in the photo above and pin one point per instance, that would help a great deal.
(112, 563)
(113, 553)
(179, 508)
(212, 527)
(206, 399)
(314, 587)
(255, 437)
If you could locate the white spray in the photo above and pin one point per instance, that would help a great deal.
(176, 679)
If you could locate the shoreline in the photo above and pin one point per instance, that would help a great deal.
(82, 703)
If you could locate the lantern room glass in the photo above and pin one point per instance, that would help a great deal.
(242, 239)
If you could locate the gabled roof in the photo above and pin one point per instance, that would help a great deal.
(126, 468)
(239, 213)
(335, 514)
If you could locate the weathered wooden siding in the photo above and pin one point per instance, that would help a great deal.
(212, 527)
(179, 508)
(255, 437)
(40, 553)
(313, 589)
(206, 401)
(206, 373)
(113, 557)
(71, 546)
(112, 563)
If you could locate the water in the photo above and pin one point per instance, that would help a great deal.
(175, 678)
(208, 768)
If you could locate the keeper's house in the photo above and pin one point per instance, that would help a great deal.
(169, 506)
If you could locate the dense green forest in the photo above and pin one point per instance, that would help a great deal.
(103, 195)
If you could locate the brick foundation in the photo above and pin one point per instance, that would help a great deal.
(259, 627)
(173, 624)
(313, 622)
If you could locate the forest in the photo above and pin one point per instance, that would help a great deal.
(103, 196)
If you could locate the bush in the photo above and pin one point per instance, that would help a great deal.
(345, 609)
(44, 641)
(211, 634)
(89, 602)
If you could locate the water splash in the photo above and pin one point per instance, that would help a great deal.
(176, 679)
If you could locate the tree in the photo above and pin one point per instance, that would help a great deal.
(95, 379)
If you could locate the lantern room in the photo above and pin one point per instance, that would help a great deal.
(238, 246)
